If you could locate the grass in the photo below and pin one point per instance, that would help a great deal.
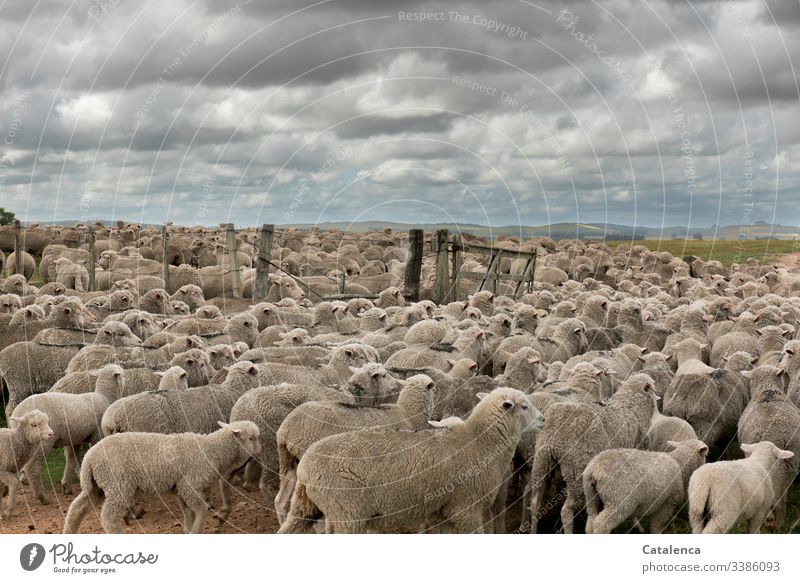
(728, 252)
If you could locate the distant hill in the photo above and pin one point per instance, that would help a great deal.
(556, 230)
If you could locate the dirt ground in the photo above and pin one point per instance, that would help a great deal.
(162, 515)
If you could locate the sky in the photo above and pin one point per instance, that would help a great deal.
(495, 112)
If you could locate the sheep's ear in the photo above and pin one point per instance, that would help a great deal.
(222, 424)
(508, 405)
(788, 333)
(599, 372)
(702, 449)
(748, 374)
(577, 329)
(783, 454)
(433, 423)
(702, 347)
(758, 330)
(450, 364)
(349, 352)
(160, 374)
(481, 396)
(668, 358)
(473, 366)
(754, 360)
(353, 369)
(610, 371)
(16, 419)
(746, 447)
(108, 332)
(94, 373)
(430, 386)
(189, 341)
(779, 372)
(183, 375)
(253, 371)
(672, 444)
(643, 350)
(640, 358)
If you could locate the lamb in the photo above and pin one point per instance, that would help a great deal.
(17, 447)
(96, 356)
(268, 406)
(575, 432)
(191, 410)
(664, 429)
(173, 379)
(622, 483)
(568, 339)
(771, 416)
(381, 492)
(313, 421)
(468, 345)
(337, 370)
(726, 493)
(74, 419)
(121, 466)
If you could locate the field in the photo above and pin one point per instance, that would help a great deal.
(728, 252)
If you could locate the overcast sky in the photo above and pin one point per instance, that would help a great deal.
(492, 112)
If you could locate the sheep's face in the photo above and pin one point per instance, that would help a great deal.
(221, 355)
(118, 334)
(287, 287)
(35, 426)
(516, 405)
(246, 434)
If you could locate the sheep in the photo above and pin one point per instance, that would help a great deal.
(96, 356)
(173, 379)
(191, 410)
(336, 371)
(726, 493)
(316, 420)
(771, 416)
(523, 370)
(17, 447)
(121, 466)
(468, 345)
(664, 429)
(362, 480)
(622, 483)
(74, 419)
(575, 432)
(268, 406)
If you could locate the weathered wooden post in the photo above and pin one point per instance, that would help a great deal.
(442, 268)
(342, 282)
(458, 259)
(262, 261)
(413, 265)
(18, 248)
(92, 259)
(496, 274)
(233, 260)
(164, 259)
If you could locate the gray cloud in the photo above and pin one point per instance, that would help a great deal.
(663, 113)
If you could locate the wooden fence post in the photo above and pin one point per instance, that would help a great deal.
(262, 261)
(92, 260)
(233, 260)
(164, 260)
(413, 265)
(18, 249)
(442, 268)
(458, 259)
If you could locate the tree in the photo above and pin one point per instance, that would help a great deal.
(6, 217)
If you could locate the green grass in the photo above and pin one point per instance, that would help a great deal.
(727, 252)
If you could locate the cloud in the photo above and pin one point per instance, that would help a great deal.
(499, 112)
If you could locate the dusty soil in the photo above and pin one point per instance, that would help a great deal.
(162, 515)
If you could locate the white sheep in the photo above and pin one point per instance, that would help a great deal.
(17, 447)
(121, 466)
(723, 494)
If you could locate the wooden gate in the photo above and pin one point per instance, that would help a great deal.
(449, 260)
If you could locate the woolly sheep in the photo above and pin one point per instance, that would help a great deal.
(74, 419)
(17, 447)
(623, 483)
(316, 420)
(726, 493)
(120, 466)
(361, 480)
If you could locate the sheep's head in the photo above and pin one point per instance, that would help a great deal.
(174, 378)
(111, 375)
(246, 434)
(117, 334)
(35, 426)
(508, 406)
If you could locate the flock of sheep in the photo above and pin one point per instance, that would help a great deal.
(607, 388)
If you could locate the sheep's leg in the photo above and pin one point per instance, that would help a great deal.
(188, 516)
(606, 520)
(10, 483)
(569, 510)
(112, 513)
(225, 494)
(499, 506)
(70, 468)
(757, 520)
(77, 512)
(200, 510)
(467, 521)
(33, 469)
(252, 475)
(660, 518)
(284, 498)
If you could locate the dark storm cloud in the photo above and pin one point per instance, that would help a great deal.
(503, 111)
